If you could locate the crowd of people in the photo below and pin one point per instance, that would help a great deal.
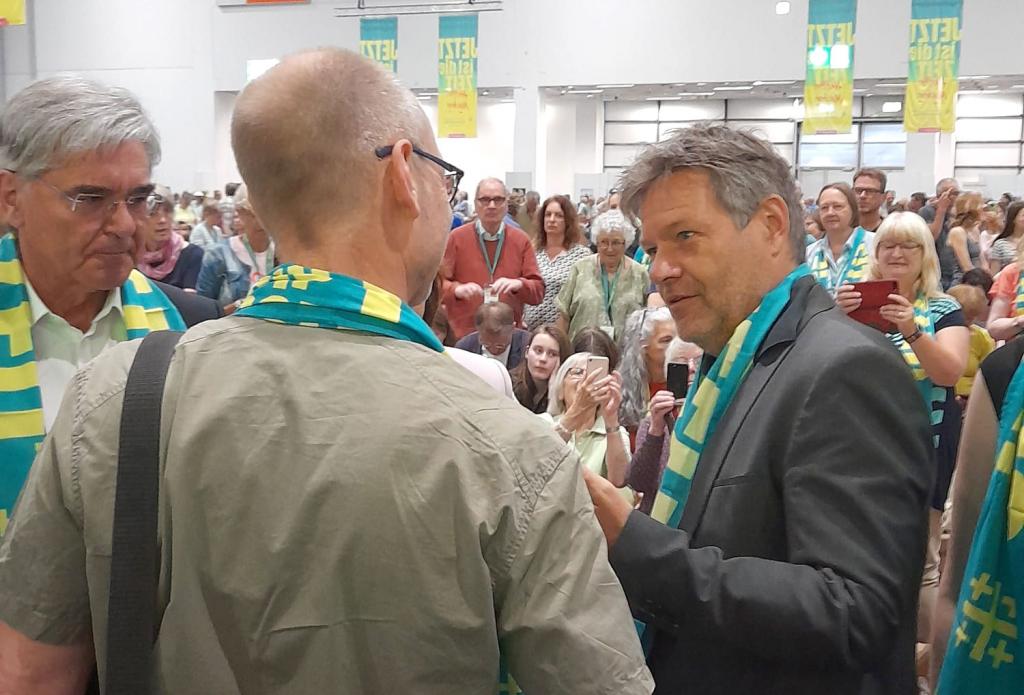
(698, 432)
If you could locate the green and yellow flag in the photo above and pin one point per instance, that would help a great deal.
(12, 12)
(984, 654)
(378, 40)
(828, 90)
(934, 66)
(456, 85)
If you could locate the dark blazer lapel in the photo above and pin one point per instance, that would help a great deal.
(722, 440)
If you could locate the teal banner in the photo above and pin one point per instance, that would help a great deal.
(378, 40)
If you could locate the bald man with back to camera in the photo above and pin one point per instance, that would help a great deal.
(346, 508)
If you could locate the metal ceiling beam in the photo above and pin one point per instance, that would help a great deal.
(373, 8)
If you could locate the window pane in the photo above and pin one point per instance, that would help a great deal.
(990, 105)
(629, 133)
(692, 110)
(884, 132)
(773, 131)
(884, 155)
(786, 151)
(987, 129)
(827, 155)
(850, 137)
(987, 155)
(620, 155)
(631, 111)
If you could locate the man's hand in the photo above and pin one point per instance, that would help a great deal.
(611, 509)
(506, 286)
(468, 290)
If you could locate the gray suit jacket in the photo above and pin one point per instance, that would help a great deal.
(797, 563)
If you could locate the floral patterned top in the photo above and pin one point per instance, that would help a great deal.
(555, 272)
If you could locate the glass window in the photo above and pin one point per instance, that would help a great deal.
(988, 129)
(850, 137)
(970, 154)
(985, 105)
(630, 133)
(884, 132)
(786, 151)
(620, 155)
(631, 111)
(884, 155)
(692, 110)
(828, 155)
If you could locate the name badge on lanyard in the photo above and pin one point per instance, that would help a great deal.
(608, 287)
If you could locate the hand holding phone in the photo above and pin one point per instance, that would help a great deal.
(678, 380)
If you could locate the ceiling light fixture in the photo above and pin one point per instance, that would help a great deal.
(892, 106)
(733, 89)
(891, 84)
(975, 77)
(615, 86)
(585, 91)
(697, 94)
(782, 8)
(663, 98)
(762, 83)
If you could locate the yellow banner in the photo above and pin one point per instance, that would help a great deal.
(457, 78)
(934, 66)
(828, 89)
(12, 12)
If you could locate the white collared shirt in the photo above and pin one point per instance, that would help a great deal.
(503, 357)
(60, 348)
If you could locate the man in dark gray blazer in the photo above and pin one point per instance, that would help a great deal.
(496, 335)
(796, 565)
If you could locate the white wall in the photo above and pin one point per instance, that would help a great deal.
(177, 54)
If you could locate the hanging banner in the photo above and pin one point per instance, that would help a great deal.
(378, 40)
(12, 12)
(456, 85)
(934, 66)
(828, 90)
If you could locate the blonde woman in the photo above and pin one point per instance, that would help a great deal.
(931, 335)
(965, 234)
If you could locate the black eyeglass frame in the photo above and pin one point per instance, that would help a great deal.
(451, 172)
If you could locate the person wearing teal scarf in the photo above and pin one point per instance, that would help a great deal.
(783, 550)
(347, 508)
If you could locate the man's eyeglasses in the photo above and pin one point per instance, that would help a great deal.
(497, 200)
(102, 206)
(452, 174)
(860, 190)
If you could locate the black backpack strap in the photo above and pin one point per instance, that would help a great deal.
(133, 564)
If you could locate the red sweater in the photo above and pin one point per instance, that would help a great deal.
(464, 263)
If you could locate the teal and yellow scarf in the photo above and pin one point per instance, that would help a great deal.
(853, 269)
(145, 309)
(300, 296)
(710, 396)
(984, 654)
(934, 396)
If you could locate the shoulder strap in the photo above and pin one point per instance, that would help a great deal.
(134, 562)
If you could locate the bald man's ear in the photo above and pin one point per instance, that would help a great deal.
(399, 183)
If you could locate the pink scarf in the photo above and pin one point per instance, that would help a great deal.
(159, 264)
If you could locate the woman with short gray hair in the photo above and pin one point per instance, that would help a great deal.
(603, 289)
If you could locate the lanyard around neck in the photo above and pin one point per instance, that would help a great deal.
(492, 266)
(609, 286)
(268, 261)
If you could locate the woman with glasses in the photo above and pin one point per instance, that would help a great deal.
(166, 256)
(230, 269)
(841, 256)
(547, 348)
(602, 290)
(584, 410)
(558, 247)
(930, 333)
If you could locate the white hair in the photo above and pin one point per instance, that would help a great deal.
(610, 222)
(60, 116)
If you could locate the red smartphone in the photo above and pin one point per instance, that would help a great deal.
(874, 295)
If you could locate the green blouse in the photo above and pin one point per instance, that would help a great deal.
(582, 299)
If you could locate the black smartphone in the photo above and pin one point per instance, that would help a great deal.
(678, 379)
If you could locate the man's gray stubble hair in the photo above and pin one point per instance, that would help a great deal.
(57, 117)
(743, 170)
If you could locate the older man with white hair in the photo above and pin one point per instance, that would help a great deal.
(342, 507)
(489, 261)
(78, 157)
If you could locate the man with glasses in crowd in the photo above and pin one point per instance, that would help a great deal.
(489, 261)
(347, 509)
(869, 187)
(73, 192)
